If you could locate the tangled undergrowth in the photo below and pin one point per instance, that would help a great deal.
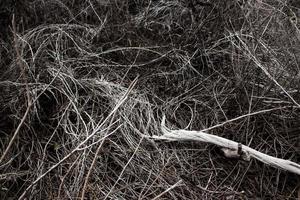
(82, 83)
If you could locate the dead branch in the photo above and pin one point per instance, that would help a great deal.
(183, 135)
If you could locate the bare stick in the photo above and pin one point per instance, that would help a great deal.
(167, 190)
(182, 135)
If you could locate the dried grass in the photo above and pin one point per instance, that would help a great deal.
(203, 65)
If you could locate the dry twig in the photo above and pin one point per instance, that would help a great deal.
(182, 135)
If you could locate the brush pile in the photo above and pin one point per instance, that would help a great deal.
(83, 82)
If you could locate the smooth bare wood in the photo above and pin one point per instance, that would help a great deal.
(184, 135)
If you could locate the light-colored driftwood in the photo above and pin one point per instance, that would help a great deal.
(183, 135)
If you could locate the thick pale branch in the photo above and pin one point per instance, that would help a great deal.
(183, 135)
